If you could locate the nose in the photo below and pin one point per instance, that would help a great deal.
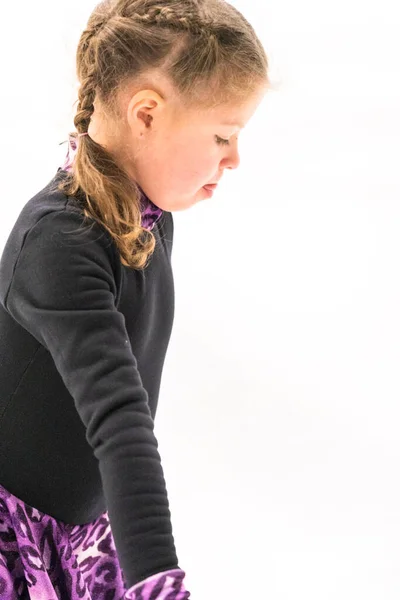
(232, 160)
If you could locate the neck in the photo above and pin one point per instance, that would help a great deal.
(150, 212)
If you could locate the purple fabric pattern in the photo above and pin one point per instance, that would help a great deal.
(163, 586)
(150, 212)
(42, 558)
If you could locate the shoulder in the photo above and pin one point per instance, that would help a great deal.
(51, 232)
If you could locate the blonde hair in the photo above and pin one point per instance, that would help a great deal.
(199, 45)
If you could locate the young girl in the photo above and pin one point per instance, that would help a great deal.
(87, 299)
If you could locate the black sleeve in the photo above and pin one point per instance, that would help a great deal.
(63, 292)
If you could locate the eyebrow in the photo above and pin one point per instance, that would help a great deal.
(234, 123)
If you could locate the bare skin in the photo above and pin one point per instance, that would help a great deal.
(170, 152)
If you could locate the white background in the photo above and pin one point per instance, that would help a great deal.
(278, 421)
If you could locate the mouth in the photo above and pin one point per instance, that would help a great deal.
(211, 186)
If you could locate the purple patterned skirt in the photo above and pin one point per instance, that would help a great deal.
(42, 558)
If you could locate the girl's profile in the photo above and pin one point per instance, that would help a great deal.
(87, 298)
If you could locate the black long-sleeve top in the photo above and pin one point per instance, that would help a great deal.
(83, 341)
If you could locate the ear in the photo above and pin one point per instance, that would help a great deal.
(142, 109)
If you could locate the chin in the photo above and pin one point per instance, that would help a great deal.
(185, 204)
(188, 200)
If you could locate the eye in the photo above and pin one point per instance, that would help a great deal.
(222, 142)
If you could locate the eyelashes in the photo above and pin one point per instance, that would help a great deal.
(221, 141)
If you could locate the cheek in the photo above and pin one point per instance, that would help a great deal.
(186, 163)
(189, 166)
(202, 163)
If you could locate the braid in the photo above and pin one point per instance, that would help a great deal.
(165, 16)
(86, 57)
(85, 110)
(87, 90)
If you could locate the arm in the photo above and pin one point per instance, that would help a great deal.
(63, 292)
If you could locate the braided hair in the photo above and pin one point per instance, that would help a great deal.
(208, 51)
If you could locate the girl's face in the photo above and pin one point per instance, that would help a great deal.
(173, 154)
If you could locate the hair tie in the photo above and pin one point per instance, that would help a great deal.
(81, 134)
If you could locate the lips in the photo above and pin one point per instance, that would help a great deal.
(212, 186)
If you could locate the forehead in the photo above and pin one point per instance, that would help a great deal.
(238, 115)
(229, 115)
